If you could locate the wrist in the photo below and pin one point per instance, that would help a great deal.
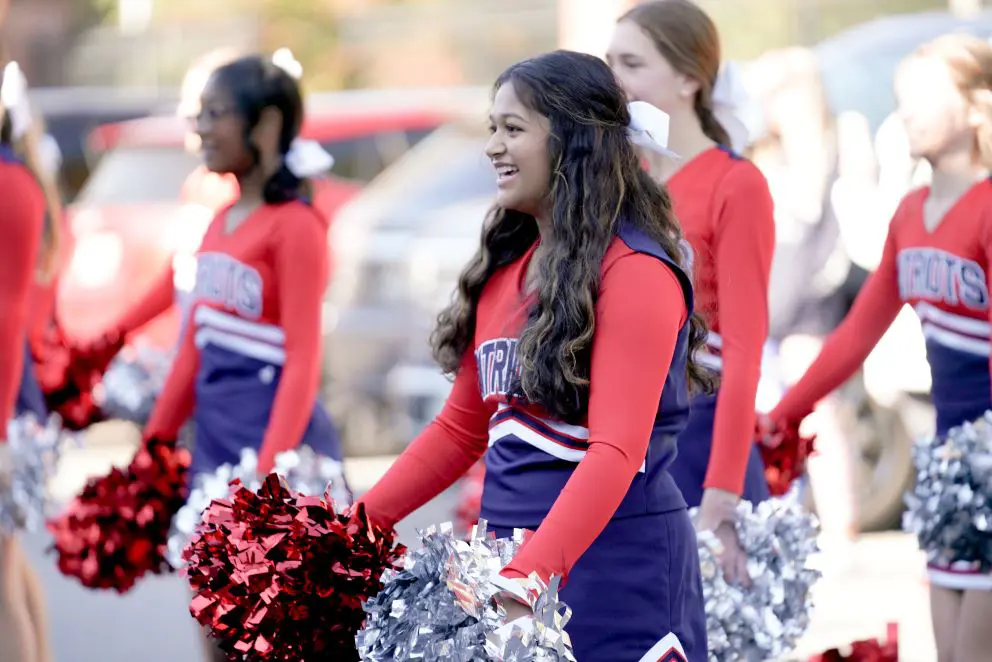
(717, 506)
(511, 588)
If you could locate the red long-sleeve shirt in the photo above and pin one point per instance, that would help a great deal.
(22, 217)
(944, 274)
(639, 314)
(271, 273)
(725, 208)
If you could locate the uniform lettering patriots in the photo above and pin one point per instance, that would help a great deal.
(220, 278)
(497, 361)
(938, 276)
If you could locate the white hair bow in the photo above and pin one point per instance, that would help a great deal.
(649, 127)
(50, 155)
(306, 158)
(733, 107)
(14, 97)
(285, 60)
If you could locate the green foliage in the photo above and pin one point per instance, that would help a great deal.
(96, 12)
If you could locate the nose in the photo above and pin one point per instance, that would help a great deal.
(202, 124)
(495, 146)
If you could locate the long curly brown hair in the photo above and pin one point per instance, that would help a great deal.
(596, 182)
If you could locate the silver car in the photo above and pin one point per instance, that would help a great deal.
(399, 248)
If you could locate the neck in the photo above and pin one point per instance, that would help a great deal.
(544, 224)
(252, 183)
(955, 172)
(685, 138)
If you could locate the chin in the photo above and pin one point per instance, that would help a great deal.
(512, 203)
(508, 202)
(219, 168)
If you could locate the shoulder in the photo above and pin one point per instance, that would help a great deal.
(18, 186)
(298, 216)
(15, 171)
(983, 209)
(642, 291)
(909, 206)
(637, 262)
(741, 175)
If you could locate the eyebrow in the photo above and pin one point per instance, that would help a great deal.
(506, 116)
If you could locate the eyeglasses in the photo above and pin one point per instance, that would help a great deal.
(210, 114)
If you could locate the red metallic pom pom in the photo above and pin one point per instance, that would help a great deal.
(67, 374)
(870, 650)
(282, 576)
(785, 455)
(117, 528)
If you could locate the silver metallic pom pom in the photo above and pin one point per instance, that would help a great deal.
(205, 488)
(32, 453)
(131, 385)
(950, 507)
(440, 607)
(765, 620)
(313, 474)
(541, 637)
(304, 470)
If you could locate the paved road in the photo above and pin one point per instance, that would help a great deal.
(882, 581)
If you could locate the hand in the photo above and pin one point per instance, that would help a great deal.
(514, 608)
(765, 431)
(98, 352)
(717, 513)
(511, 604)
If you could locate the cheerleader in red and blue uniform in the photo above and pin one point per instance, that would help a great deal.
(938, 259)
(570, 346)
(22, 214)
(203, 190)
(667, 52)
(249, 364)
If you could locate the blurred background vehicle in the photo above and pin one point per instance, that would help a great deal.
(72, 113)
(400, 247)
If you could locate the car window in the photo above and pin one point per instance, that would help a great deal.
(865, 87)
(363, 158)
(448, 167)
(131, 175)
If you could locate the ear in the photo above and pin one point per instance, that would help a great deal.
(267, 130)
(688, 87)
(978, 113)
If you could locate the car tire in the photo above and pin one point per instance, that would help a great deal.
(882, 454)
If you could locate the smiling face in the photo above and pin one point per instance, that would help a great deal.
(222, 132)
(518, 150)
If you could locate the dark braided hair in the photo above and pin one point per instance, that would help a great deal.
(255, 83)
